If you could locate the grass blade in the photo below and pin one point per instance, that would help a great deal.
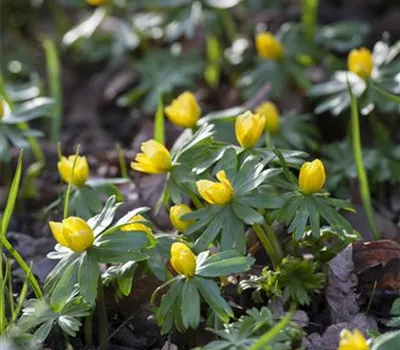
(159, 122)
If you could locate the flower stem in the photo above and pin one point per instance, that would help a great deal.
(362, 175)
(89, 331)
(267, 244)
(102, 316)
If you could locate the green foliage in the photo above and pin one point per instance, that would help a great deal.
(387, 341)
(395, 312)
(160, 71)
(376, 92)
(243, 333)
(295, 280)
(181, 304)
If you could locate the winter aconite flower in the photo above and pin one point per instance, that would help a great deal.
(268, 46)
(352, 340)
(155, 158)
(271, 114)
(175, 214)
(184, 111)
(81, 170)
(183, 260)
(249, 128)
(312, 177)
(97, 2)
(135, 224)
(360, 62)
(218, 193)
(73, 233)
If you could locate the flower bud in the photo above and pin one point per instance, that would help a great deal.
(352, 340)
(135, 224)
(184, 111)
(97, 2)
(183, 260)
(218, 193)
(73, 233)
(268, 46)
(249, 128)
(81, 170)
(155, 158)
(312, 177)
(175, 214)
(271, 114)
(360, 62)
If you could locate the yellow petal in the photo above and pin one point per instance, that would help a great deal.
(268, 46)
(175, 214)
(77, 233)
(360, 62)
(137, 226)
(271, 114)
(57, 230)
(155, 158)
(183, 260)
(81, 170)
(312, 177)
(249, 128)
(184, 111)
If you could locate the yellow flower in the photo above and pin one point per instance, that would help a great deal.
(268, 46)
(137, 226)
(97, 2)
(312, 177)
(218, 193)
(352, 340)
(271, 113)
(175, 214)
(184, 111)
(155, 158)
(249, 128)
(360, 62)
(81, 170)
(73, 233)
(183, 260)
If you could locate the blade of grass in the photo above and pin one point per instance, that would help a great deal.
(159, 122)
(10, 287)
(309, 11)
(54, 77)
(358, 158)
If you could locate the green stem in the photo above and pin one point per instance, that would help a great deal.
(54, 77)
(309, 10)
(263, 341)
(268, 246)
(102, 315)
(362, 174)
(268, 139)
(68, 193)
(274, 241)
(121, 160)
(20, 261)
(89, 331)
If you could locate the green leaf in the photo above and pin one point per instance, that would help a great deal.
(387, 341)
(224, 264)
(247, 214)
(65, 287)
(88, 276)
(228, 163)
(125, 275)
(69, 325)
(210, 292)
(43, 331)
(159, 121)
(12, 197)
(211, 232)
(386, 94)
(233, 235)
(157, 264)
(102, 220)
(38, 107)
(169, 299)
(190, 307)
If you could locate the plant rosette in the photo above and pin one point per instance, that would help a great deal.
(78, 270)
(180, 306)
(373, 78)
(231, 208)
(280, 68)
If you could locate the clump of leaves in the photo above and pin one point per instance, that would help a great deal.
(243, 333)
(161, 71)
(294, 280)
